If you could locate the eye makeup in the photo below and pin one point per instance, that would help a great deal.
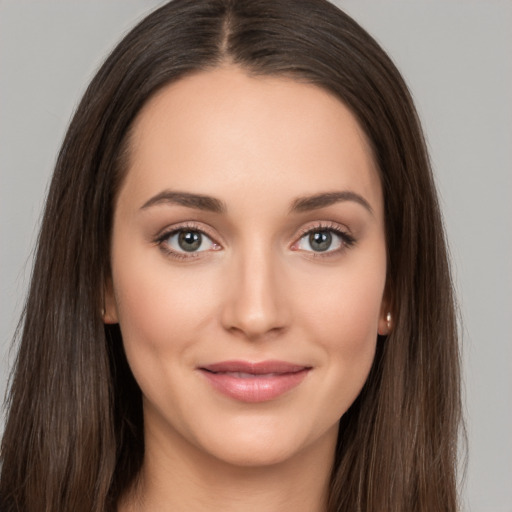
(327, 237)
(186, 241)
(190, 240)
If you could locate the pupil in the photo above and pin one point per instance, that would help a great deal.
(320, 240)
(189, 240)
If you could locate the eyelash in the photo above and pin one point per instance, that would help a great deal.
(347, 240)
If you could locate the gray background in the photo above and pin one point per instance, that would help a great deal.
(456, 57)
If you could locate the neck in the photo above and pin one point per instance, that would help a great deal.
(181, 478)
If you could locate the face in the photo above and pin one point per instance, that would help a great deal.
(248, 265)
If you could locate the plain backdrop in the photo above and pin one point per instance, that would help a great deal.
(456, 56)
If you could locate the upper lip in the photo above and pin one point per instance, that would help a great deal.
(255, 368)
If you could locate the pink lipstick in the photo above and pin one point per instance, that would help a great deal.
(254, 382)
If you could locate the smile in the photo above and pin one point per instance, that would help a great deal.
(254, 382)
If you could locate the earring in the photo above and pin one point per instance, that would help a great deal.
(384, 331)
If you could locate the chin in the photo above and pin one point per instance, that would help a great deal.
(263, 445)
(262, 453)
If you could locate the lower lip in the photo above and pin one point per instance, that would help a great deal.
(255, 389)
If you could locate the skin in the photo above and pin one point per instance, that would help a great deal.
(256, 290)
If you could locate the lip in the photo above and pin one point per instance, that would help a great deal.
(254, 381)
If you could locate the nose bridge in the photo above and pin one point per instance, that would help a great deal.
(255, 305)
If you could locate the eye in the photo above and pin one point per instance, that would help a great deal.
(183, 241)
(324, 240)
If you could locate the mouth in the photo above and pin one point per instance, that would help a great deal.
(254, 381)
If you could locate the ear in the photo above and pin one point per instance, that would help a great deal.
(109, 312)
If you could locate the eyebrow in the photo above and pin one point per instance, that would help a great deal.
(197, 201)
(211, 204)
(307, 203)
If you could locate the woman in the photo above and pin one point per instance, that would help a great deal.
(241, 297)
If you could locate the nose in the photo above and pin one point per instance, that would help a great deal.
(256, 306)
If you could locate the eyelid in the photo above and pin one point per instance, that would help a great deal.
(183, 226)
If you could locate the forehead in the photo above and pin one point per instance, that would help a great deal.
(220, 131)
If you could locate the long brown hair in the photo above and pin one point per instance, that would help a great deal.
(73, 439)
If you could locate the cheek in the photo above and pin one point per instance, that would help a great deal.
(160, 308)
(346, 326)
(342, 317)
(158, 312)
(346, 307)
